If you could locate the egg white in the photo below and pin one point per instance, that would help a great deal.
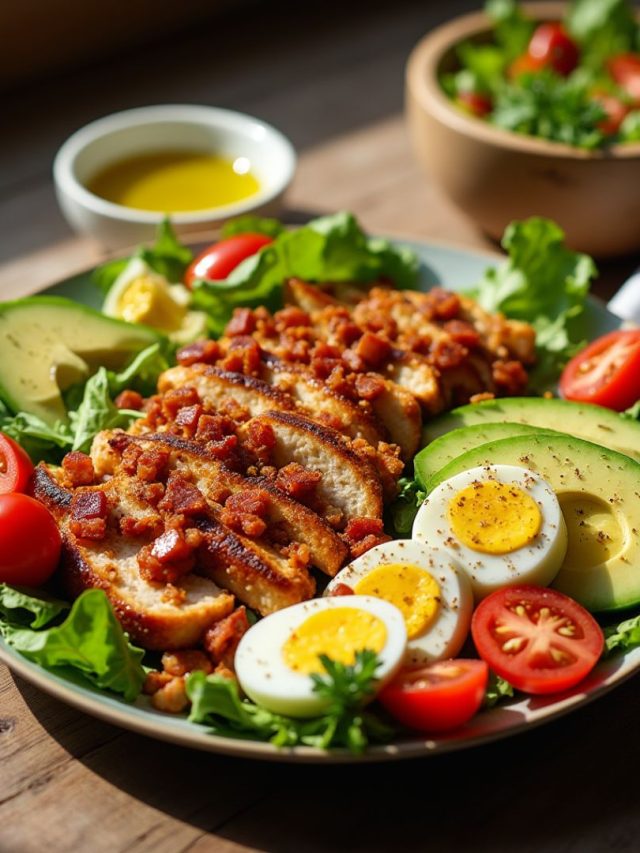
(446, 633)
(264, 675)
(536, 563)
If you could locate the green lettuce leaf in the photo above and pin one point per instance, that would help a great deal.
(602, 28)
(89, 643)
(403, 510)
(19, 608)
(332, 248)
(39, 439)
(498, 690)
(142, 373)
(216, 703)
(97, 411)
(253, 225)
(623, 636)
(168, 256)
(512, 30)
(544, 283)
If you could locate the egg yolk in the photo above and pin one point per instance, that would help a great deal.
(494, 517)
(148, 301)
(339, 633)
(412, 590)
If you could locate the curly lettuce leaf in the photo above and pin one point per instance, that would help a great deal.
(602, 28)
(331, 248)
(19, 608)
(41, 440)
(89, 643)
(97, 411)
(252, 225)
(168, 257)
(403, 510)
(216, 703)
(623, 636)
(544, 283)
(498, 690)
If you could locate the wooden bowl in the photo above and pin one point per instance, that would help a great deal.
(496, 175)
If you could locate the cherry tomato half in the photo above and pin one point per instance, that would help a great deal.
(15, 466)
(218, 260)
(606, 372)
(523, 64)
(540, 640)
(625, 70)
(552, 47)
(476, 103)
(437, 697)
(29, 541)
(615, 112)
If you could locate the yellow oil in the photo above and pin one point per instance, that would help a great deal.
(175, 181)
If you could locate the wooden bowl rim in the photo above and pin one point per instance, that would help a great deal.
(423, 85)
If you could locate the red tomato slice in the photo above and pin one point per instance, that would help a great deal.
(476, 103)
(625, 70)
(539, 640)
(607, 372)
(437, 697)
(615, 110)
(552, 47)
(29, 541)
(218, 260)
(15, 466)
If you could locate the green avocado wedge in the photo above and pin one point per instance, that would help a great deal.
(452, 444)
(48, 343)
(591, 423)
(599, 493)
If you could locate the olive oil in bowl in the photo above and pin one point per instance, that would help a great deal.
(175, 181)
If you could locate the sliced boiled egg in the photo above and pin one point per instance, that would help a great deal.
(502, 524)
(432, 593)
(276, 658)
(141, 295)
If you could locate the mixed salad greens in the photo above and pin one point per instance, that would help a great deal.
(575, 81)
(541, 282)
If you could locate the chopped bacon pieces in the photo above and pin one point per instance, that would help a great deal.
(462, 333)
(442, 304)
(373, 349)
(243, 356)
(510, 377)
(204, 352)
(177, 399)
(341, 589)
(243, 322)
(245, 512)
(147, 525)
(222, 638)
(78, 469)
(182, 498)
(149, 464)
(297, 481)
(447, 354)
(361, 534)
(129, 400)
(214, 427)
(260, 440)
(291, 317)
(369, 386)
(89, 511)
(168, 558)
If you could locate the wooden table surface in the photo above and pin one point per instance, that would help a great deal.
(332, 80)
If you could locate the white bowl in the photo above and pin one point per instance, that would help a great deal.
(162, 128)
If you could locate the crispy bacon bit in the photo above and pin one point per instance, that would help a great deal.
(185, 661)
(369, 386)
(361, 534)
(234, 410)
(147, 525)
(348, 333)
(78, 469)
(373, 349)
(298, 555)
(510, 377)
(129, 400)
(182, 498)
(154, 415)
(167, 559)
(203, 352)
(153, 493)
(260, 440)
(442, 304)
(341, 589)
(149, 464)
(330, 420)
(154, 681)
(297, 481)
(178, 398)
(214, 427)
(243, 322)
(290, 317)
(243, 356)
(447, 354)
(172, 697)
(251, 501)
(324, 350)
(340, 382)
(295, 350)
(244, 522)
(89, 528)
(225, 450)
(89, 515)
(222, 638)
(188, 418)
(462, 333)
(322, 367)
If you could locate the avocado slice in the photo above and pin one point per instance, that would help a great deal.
(599, 493)
(48, 343)
(591, 423)
(447, 447)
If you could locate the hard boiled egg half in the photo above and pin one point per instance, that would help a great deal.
(432, 593)
(277, 656)
(502, 524)
(141, 295)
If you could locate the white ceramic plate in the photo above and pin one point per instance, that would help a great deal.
(455, 269)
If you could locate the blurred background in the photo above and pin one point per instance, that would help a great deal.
(323, 73)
